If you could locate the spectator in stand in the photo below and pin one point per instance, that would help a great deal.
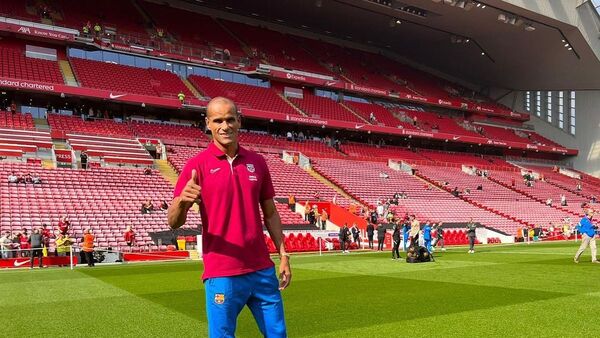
(181, 97)
(29, 178)
(84, 159)
(317, 195)
(13, 107)
(578, 186)
(289, 136)
(380, 236)
(97, 30)
(355, 234)
(292, 202)
(129, 237)
(85, 30)
(380, 209)
(159, 151)
(88, 247)
(549, 202)
(12, 178)
(164, 205)
(147, 207)
(472, 235)
(21, 179)
(512, 182)
(36, 244)
(35, 179)
(455, 192)
(147, 171)
(563, 200)
(370, 233)
(372, 118)
(64, 225)
(5, 245)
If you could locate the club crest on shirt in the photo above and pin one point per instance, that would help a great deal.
(250, 167)
(219, 298)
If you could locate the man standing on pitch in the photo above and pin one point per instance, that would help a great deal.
(472, 235)
(229, 183)
(588, 236)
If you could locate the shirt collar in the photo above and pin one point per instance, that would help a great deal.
(215, 151)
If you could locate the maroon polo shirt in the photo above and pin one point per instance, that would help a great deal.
(232, 233)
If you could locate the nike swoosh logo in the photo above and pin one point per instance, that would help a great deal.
(330, 83)
(455, 138)
(358, 126)
(112, 96)
(22, 263)
(212, 171)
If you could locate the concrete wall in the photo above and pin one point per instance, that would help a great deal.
(587, 126)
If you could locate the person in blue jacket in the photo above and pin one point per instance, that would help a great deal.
(588, 236)
(427, 236)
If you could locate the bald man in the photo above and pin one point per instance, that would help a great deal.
(230, 183)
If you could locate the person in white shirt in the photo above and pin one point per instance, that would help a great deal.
(12, 178)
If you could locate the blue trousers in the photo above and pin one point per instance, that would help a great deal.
(428, 244)
(227, 296)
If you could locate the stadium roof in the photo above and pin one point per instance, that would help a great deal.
(498, 54)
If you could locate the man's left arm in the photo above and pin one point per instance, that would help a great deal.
(273, 224)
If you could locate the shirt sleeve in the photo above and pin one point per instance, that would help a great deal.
(267, 191)
(184, 177)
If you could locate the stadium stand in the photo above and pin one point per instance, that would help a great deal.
(495, 197)
(100, 127)
(324, 108)
(16, 120)
(275, 48)
(106, 200)
(363, 181)
(244, 95)
(207, 33)
(14, 64)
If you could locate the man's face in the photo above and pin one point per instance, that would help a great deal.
(224, 123)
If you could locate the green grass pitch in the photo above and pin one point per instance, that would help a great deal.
(522, 290)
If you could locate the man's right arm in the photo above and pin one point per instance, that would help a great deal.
(177, 212)
(190, 194)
